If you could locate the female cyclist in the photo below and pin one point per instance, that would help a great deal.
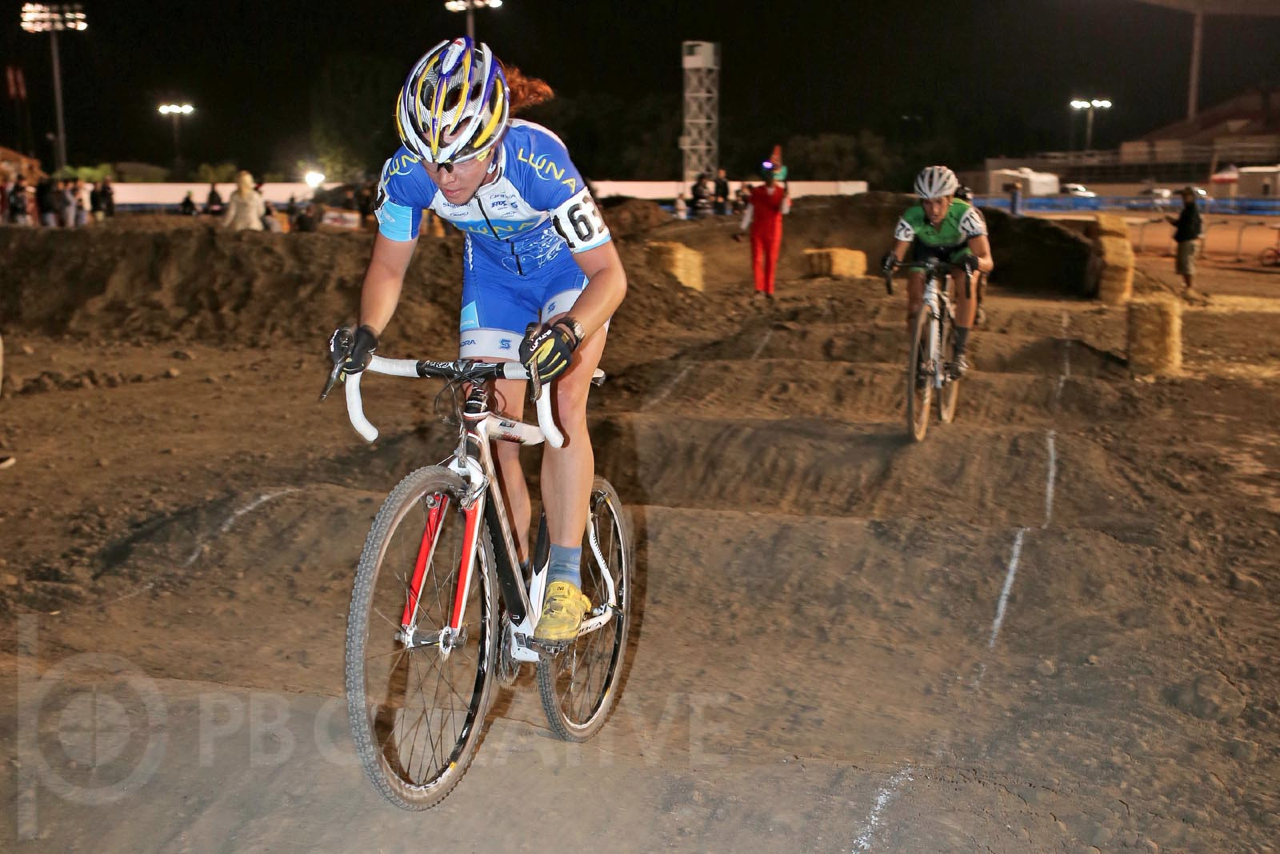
(537, 250)
(948, 229)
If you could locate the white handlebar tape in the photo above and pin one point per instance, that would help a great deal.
(547, 422)
(355, 408)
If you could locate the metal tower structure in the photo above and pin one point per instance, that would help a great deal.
(700, 141)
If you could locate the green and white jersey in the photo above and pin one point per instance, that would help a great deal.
(962, 222)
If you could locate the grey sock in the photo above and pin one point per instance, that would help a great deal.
(565, 565)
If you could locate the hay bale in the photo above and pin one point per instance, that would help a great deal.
(1155, 336)
(1108, 225)
(838, 263)
(1115, 281)
(680, 261)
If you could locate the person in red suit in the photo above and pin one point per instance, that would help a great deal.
(765, 208)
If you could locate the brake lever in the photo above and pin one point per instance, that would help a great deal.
(340, 344)
(334, 376)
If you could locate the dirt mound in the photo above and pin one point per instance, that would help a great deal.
(627, 217)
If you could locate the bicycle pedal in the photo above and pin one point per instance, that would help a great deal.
(547, 649)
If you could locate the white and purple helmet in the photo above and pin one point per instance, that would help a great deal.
(456, 90)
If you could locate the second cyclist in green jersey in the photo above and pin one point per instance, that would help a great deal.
(950, 230)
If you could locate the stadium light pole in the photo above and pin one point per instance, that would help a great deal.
(53, 18)
(176, 112)
(469, 6)
(1090, 107)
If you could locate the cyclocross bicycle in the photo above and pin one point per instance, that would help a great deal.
(441, 611)
(933, 343)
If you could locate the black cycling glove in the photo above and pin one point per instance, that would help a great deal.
(363, 346)
(970, 264)
(549, 349)
(888, 262)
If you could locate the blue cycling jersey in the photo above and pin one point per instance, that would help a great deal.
(518, 226)
(537, 207)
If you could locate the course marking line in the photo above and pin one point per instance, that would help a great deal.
(883, 798)
(1008, 585)
(763, 341)
(669, 387)
(1053, 471)
(226, 526)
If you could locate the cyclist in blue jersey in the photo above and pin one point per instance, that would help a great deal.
(537, 250)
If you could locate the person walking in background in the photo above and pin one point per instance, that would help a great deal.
(766, 206)
(1187, 227)
(722, 192)
(245, 206)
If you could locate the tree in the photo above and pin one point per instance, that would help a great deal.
(352, 126)
(865, 156)
(223, 173)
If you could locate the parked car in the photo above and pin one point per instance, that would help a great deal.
(1078, 190)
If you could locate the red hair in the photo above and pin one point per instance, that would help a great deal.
(525, 91)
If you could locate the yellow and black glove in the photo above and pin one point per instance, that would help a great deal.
(550, 349)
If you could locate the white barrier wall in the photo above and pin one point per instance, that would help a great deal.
(668, 190)
(173, 194)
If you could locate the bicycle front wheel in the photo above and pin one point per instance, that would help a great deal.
(421, 641)
(950, 391)
(1270, 257)
(580, 686)
(920, 376)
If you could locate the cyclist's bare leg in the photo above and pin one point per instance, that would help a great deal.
(966, 305)
(915, 298)
(509, 400)
(568, 472)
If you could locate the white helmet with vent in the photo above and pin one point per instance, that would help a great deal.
(936, 182)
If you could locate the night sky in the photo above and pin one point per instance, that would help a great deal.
(804, 68)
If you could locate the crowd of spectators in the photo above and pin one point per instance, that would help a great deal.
(56, 202)
(711, 196)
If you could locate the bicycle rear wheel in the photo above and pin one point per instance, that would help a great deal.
(920, 376)
(950, 391)
(417, 694)
(579, 686)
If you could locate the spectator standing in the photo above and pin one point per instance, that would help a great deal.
(701, 196)
(722, 192)
(82, 192)
(188, 206)
(213, 201)
(95, 202)
(768, 203)
(681, 207)
(245, 206)
(1186, 234)
(46, 203)
(108, 194)
(18, 203)
(1015, 198)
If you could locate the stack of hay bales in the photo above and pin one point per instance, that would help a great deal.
(838, 263)
(680, 261)
(1111, 242)
(1155, 336)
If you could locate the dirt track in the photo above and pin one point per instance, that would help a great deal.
(1050, 627)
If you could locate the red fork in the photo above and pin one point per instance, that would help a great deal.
(434, 517)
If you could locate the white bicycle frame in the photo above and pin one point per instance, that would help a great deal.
(478, 472)
(933, 305)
